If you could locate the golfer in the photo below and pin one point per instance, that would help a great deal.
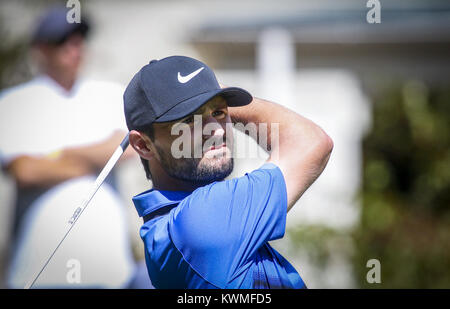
(201, 231)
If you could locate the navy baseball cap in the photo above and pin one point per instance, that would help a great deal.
(172, 88)
(53, 27)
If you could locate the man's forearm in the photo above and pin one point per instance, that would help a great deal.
(46, 171)
(98, 154)
(302, 148)
(265, 112)
(29, 171)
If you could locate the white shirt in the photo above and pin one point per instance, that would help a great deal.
(40, 117)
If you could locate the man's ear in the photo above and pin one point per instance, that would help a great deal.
(142, 144)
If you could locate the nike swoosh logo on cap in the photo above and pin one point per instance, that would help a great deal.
(185, 79)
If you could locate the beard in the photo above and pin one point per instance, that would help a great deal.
(199, 171)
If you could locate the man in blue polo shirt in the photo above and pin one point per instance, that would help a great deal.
(201, 231)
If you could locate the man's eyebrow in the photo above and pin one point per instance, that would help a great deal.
(186, 117)
(198, 111)
(217, 104)
(182, 119)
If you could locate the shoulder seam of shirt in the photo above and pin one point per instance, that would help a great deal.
(184, 258)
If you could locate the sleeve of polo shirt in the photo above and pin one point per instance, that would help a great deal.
(220, 226)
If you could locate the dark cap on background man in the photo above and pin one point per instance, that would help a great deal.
(53, 27)
(172, 88)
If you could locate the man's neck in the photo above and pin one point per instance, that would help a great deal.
(164, 182)
(64, 80)
(173, 185)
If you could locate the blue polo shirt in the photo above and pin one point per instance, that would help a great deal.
(217, 236)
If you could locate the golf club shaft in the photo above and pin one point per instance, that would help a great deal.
(77, 213)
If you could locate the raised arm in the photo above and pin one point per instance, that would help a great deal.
(301, 149)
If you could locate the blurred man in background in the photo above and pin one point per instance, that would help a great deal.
(57, 133)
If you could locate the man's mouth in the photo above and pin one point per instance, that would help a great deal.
(216, 147)
(215, 150)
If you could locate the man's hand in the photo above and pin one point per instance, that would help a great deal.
(302, 148)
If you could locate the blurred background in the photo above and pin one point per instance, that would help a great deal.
(380, 90)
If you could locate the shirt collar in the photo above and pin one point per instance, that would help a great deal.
(50, 82)
(152, 200)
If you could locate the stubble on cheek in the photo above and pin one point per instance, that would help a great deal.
(207, 167)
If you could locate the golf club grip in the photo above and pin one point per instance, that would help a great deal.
(124, 144)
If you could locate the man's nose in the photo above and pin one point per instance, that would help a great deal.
(212, 127)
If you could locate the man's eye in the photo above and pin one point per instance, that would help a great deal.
(218, 114)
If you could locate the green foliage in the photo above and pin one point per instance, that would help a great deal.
(319, 242)
(405, 195)
(405, 198)
(14, 66)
